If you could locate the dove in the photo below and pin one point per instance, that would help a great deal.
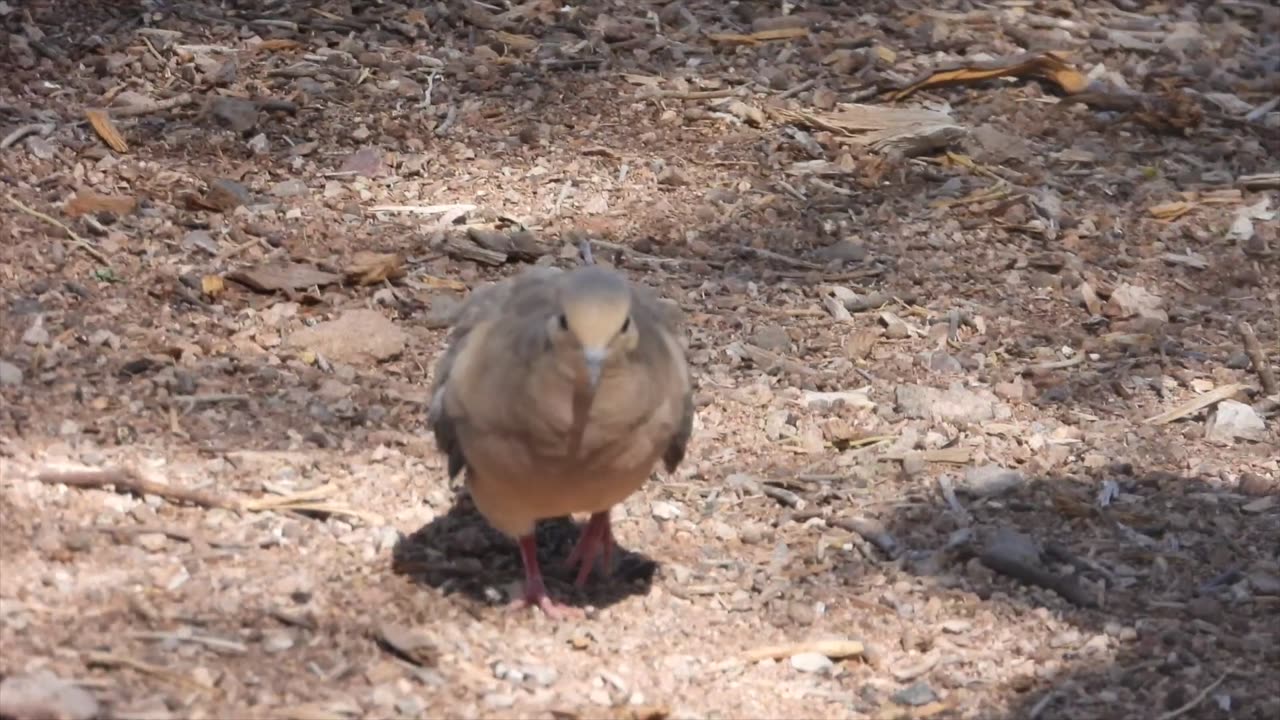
(558, 393)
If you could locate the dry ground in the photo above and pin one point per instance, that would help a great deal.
(1043, 270)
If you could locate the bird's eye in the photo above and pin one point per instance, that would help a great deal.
(626, 324)
(564, 322)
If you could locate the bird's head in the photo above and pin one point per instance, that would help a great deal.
(593, 323)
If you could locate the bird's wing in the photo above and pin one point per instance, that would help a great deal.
(488, 328)
(666, 362)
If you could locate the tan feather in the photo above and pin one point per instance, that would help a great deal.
(508, 395)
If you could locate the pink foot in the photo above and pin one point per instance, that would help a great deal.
(596, 539)
(535, 591)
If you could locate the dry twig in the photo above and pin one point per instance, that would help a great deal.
(128, 480)
(22, 131)
(79, 241)
(1258, 357)
(104, 659)
(1193, 702)
(831, 648)
(1196, 404)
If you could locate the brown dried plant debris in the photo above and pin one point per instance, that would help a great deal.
(1052, 66)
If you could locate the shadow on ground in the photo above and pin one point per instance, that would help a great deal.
(459, 552)
(1171, 592)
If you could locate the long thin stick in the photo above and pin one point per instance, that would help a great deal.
(1193, 702)
(128, 480)
(1258, 357)
(79, 241)
(147, 108)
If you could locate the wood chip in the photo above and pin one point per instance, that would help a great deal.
(87, 201)
(283, 276)
(1052, 66)
(101, 123)
(373, 268)
(410, 644)
(834, 649)
(1196, 404)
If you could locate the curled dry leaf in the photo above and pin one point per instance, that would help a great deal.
(371, 268)
(101, 123)
(1051, 66)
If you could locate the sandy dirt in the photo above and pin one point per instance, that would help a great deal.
(931, 371)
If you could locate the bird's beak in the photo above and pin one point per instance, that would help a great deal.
(593, 358)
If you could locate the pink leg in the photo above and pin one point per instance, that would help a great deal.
(596, 538)
(535, 591)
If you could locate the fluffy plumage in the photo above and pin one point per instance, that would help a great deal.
(558, 393)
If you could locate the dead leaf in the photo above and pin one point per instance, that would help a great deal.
(744, 112)
(273, 44)
(858, 345)
(223, 195)
(1129, 300)
(1090, 298)
(759, 37)
(523, 43)
(643, 712)
(1051, 66)
(371, 268)
(212, 285)
(521, 244)
(282, 276)
(86, 202)
(434, 282)
(366, 161)
(642, 80)
(101, 123)
(410, 644)
(1172, 111)
(911, 131)
(1170, 210)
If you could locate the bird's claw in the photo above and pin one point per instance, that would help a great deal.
(596, 539)
(549, 607)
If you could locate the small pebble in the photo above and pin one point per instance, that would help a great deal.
(915, 695)
(499, 701)
(44, 695)
(10, 374)
(663, 510)
(811, 662)
(543, 675)
(277, 641)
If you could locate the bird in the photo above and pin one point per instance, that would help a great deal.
(558, 393)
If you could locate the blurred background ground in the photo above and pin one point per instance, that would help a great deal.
(928, 359)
